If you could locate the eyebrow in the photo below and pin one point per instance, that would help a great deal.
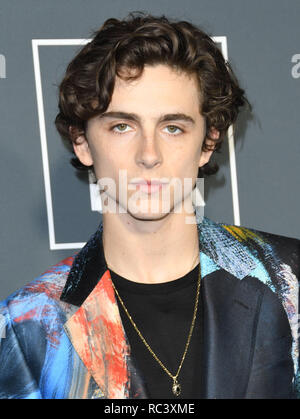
(134, 117)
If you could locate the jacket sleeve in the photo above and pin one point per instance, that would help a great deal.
(272, 373)
(16, 379)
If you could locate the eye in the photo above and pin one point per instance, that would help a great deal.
(173, 130)
(119, 128)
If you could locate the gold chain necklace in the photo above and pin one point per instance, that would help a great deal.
(176, 387)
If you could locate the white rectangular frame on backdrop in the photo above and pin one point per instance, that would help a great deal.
(43, 136)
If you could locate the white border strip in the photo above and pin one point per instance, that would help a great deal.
(232, 160)
(45, 159)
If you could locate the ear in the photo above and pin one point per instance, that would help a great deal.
(82, 149)
(206, 155)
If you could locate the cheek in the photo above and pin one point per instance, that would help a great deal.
(109, 164)
(188, 165)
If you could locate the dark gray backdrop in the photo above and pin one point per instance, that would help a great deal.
(264, 49)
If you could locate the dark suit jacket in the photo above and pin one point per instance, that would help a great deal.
(62, 334)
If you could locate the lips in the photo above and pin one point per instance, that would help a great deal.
(149, 186)
(148, 182)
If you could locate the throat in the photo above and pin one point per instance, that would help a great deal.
(152, 258)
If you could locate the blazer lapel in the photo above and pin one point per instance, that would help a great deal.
(97, 335)
(230, 310)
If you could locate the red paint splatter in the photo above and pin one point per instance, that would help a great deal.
(31, 314)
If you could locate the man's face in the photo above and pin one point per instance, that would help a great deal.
(154, 131)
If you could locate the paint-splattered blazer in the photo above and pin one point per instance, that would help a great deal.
(62, 335)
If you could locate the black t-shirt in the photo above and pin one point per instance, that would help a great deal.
(163, 313)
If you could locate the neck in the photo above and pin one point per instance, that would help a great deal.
(150, 251)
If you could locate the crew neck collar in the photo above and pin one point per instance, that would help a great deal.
(126, 285)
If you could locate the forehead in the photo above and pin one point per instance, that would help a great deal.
(157, 87)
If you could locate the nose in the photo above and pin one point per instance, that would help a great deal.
(149, 154)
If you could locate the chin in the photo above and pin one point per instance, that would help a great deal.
(145, 211)
(148, 216)
(159, 211)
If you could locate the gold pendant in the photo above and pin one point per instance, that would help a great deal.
(176, 388)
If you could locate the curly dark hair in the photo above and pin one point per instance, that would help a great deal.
(140, 39)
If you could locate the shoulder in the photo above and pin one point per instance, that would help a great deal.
(37, 298)
(275, 258)
(252, 237)
(32, 338)
(259, 247)
(242, 251)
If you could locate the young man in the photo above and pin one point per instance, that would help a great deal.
(154, 306)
